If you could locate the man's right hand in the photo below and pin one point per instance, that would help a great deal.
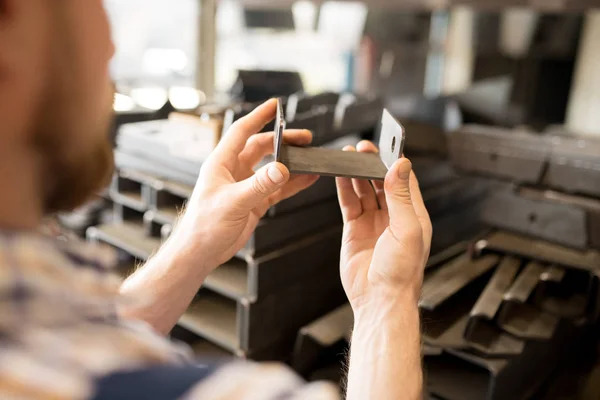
(387, 236)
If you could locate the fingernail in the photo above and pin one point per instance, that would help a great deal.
(275, 175)
(404, 168)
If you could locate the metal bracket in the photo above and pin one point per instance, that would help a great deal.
(329, 162)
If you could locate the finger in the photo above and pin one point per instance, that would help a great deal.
(261, 145)
(364, 190)
(238, 134)
(421, 211)
(368, 147)
(349, 201)
(296, 184)
(403, 218)
(250, 193)
(347, 197)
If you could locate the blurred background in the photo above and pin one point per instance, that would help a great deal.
(499, 100)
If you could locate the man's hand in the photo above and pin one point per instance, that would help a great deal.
(387, 235)
(223, 211)
(230, 197)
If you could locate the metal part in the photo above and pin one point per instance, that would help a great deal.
(320, 122)
(446, 299)
(451, 278)
(249, 326)
(518, 156)
(294, 262)
(213, 317)
(357, 115)
(574, 166)
(320, 161)
(425, 138)
(432, 171)
(152, 227)
(454, 194)
(460, 375)
(481, 332)
(124, 160)
(281, 314)
(280, 124)
(558, 223)
(124, 190)
(176, 144)
(273, 232)
(590, 206)
(563, 293)
(523, 320)
(567, 163)
(324, 189)
(314, 338)
(489, 302)
(299, 103)
(457, 226)
(128, 236)
(522, 246)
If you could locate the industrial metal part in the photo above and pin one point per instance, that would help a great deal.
(314, 338)
(446, 299)
(521, 319)
(128, 236)
(518, 156)
(299, 103)
(176, 144)
(555, 222)
(319, 161)
(273, 232)
(481, 332)
(320, 121)
(282, 313)
(461, 375)
(324, 189)
(590, 206)
(357, 115)
(127, 191)
(125, 160)
(453, 277)
(463, 223)
(507, 243)
(574, 166)
(432, 171)
(454, 194)
(567, 163)
(564, 293)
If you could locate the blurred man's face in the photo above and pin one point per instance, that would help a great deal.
(71, 121)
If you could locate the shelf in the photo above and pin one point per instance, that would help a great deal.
(127, 236)
(230, 279)
(213, 317)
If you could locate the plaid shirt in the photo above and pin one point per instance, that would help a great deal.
(60, 332)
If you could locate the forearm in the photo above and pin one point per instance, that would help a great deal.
(164, 287)
(385, 353)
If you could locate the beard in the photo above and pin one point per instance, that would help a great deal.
(75, 153)
(72, 119)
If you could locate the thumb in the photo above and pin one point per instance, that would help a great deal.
(266, 181)
(398, 197)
